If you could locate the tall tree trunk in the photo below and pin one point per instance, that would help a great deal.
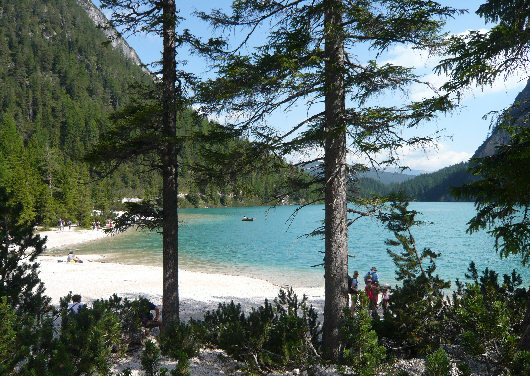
(170, 298)
(336, 231)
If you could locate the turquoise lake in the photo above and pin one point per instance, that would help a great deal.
(274, 246)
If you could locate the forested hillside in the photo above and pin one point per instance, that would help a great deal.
(433, 186)
(57, 85)
(59, 81)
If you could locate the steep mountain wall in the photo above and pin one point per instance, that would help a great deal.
(100, 20)
(519, 115)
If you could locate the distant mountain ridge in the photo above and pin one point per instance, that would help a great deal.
(435, 186)
(387, 177)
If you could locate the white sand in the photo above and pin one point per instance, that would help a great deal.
(59, 239)
(95, 279)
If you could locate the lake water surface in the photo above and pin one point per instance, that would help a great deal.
(274, 246)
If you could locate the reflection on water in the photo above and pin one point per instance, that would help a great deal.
(274, 248)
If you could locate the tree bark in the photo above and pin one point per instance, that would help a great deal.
(335, 226)
(170, 298)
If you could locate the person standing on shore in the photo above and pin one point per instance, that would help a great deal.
(353, 289)
(385, 297)
(372, 274)
(76, 304)
(372, 294)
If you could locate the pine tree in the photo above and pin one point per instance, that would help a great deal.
(417, 307)
(19, 248)
(310, 56)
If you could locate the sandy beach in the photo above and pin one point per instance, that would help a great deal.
(96, 278)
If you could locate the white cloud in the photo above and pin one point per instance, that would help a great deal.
(433, 159)
(407, 56)
(421, 59)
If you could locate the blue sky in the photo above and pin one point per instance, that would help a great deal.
(462, 131)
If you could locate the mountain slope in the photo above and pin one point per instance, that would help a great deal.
(519, 115)
(58, 83)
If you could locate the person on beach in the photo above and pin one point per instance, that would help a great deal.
(146, 316)
(353, 289)
(76, 304)
(385, 297)
(372, 274)
(372, 294)
(73, 258)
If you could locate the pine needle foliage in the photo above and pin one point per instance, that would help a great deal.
(487, 315)
(502, 195)
(19, 248)
(361, 349)
(418, 306)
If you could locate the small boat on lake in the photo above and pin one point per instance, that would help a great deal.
(247, 219)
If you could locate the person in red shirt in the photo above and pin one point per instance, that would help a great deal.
(371, 293)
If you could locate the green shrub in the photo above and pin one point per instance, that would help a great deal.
(520, 365)
(150, 358)
(86, 343)
(226, 328)
(471, 343)
(360, 344)
(181, 342)
(91, 337)
(464, 369)
(282, 334)
(9, 353)
(437, 363)
(489, 314)
(182, 338)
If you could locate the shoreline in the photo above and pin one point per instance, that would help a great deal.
(64, 238)
(97, 278)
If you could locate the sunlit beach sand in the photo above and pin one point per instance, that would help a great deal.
(96, 278)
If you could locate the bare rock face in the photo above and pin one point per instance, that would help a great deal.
(519, 115)
(116, 40)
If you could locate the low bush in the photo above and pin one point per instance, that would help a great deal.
(488, 315)
(463, 369)
(282, 334)
(150, 358)
(437, 363)
(360, 343)
(471, 343)
(520, 365)
(182, 341)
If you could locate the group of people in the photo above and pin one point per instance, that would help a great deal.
(63, 224)
(372, 289)
(96, 225)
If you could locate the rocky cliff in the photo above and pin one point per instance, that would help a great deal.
(100, 20)
(519, 115)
